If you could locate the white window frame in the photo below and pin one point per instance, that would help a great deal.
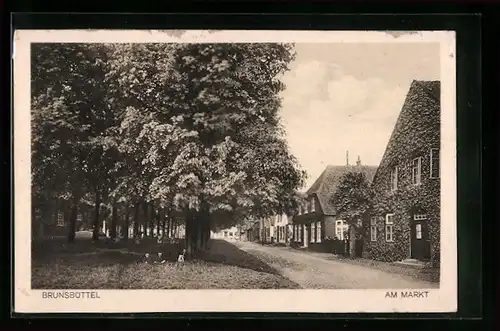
(318, 232)
(373, 228)
(418, 231)
(339, 226)
(394, 178)
(313, 206)
(432, 162)
(389, 225)
(419, 217)
(313, 232)
(416, 172)
(300, 209)
(60, 219)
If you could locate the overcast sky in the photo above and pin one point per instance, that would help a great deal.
(347, 97)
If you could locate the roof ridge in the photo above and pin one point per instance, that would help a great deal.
(426, 89)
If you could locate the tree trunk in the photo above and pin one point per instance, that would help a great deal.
(199, 234)
(194, 235)
(127, 222)
(114, 219)
(188, 234)
(207, 233)
(158, 223)
(352, 241)
(163, 220)
(136, 220)
(95, 232)
(151, 220)
(167, 223)
(205, 230)
(146, 218)
(172, 223)
(72, 222)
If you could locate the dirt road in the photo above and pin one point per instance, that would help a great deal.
(314, 272)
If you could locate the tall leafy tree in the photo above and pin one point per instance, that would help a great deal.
(66, 108)
(183, 128)
(227, 93)
(352, 200)
(203, 105)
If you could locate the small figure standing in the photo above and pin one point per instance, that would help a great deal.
(180, 259)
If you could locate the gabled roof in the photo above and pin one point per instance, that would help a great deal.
(420, 114)
(325, 186)
(432, 87)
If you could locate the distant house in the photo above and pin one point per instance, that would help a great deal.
(267, 230)
(283, 228)
(405, 221)
(317, 219)
(55, 221)
(276, 229)
(227, 234)
(253, 232)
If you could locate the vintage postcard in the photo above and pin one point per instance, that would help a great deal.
(234, 171)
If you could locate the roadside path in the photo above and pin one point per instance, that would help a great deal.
(314, 272)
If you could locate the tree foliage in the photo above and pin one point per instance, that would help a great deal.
(353, 197)
(189, 127)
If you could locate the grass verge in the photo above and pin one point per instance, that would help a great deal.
(83, 266)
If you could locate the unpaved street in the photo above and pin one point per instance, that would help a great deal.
(314, 272)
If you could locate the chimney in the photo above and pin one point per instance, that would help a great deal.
(358, 162)
(347, 157)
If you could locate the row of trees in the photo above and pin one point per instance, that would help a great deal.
(189, 130)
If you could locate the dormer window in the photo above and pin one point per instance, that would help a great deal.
(313, 206)
(300, 210)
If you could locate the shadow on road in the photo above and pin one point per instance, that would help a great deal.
(221, 251)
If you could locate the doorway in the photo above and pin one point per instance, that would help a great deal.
(420, 243)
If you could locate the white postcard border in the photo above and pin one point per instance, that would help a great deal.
(27, 300)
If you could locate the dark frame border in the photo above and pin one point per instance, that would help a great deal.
(468, 122)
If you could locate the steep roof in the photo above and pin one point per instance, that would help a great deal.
(325, 186)
(432, 87)
(417, 122)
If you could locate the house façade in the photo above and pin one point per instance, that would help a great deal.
(405, 220)
(317, 219)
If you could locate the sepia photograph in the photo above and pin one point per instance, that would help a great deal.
(292, 166)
